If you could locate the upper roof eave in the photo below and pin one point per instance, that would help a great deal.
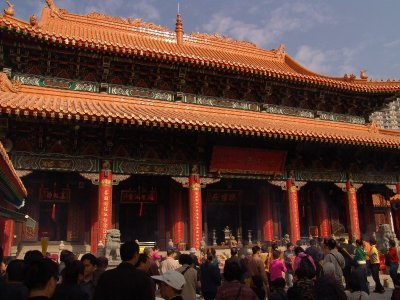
(248, 59)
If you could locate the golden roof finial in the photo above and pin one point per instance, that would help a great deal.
(363, 74)
(10, 10)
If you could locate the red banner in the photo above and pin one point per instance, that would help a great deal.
(324, 219)
(266, 215)
(294, 211)
(195, 211)
(247, 160)
(177, 215)
(353, 210)
(105, 203)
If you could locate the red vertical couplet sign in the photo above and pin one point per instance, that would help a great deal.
(293, 210)
(398, 188)
(8, 236)
(324, 218)
(195, 211)
(105, 203)
(266, 215)
(353, 210)
(178, 217)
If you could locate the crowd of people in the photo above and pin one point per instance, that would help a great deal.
(323, 269)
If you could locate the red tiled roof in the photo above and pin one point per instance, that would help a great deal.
(9, 175)
(118, 35)
(57, 104)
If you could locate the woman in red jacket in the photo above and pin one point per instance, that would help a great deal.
(393, 261)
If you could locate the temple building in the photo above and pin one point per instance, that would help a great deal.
(120, 123)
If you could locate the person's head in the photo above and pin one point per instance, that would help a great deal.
(41, 277)
(143, 263)
(274, 246)
(329, 269)
(359, 243)
(234, 251)
(256, 249)
(350, 240)
(16, 271)
(276, 254)
(313, 242)
(148, 251)
(185, 259)
(171, 283)
(192, 251)
(32, 256)
(298, 243)
(170, 253)
(67, 256)
(102, 262)
(298, 250)
(249, 252)
(232, 271)
(331, 244)
(73, 272)
(90, 263)
(210, 257)
(392, 243)
(372, 242)
(289, 246)
(130, 252)
(279, 284)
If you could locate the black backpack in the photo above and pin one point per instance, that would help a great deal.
(306, 268)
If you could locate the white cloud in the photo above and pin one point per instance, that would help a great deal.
(314, 59)
(392, 44)
(268, 31)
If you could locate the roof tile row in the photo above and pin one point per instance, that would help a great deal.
(52, 103)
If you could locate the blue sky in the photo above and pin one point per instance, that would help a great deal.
(330, 37)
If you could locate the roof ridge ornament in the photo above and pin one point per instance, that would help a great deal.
(280, 52)
(7, 85)
(373, 127)
(363, 74)
(10, 10)
(179, 28)
(54, 9)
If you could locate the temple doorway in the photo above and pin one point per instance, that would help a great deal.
(53, 221)
(141, 204)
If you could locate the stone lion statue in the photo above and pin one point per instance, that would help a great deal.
(113, 244)
(383, 236)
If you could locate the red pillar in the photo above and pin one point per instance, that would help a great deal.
(354, 228)
(177, 215)
(293, 210)
(105, 203)
(267, 222)
(195, 211)
(94, 225)
(396, 220)
(8, 236)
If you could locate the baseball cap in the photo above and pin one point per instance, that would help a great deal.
(172, 278)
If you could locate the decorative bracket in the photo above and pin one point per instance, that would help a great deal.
(392, 187)
(23, 173)
(94, 178)
(342, 186)
(184, 181)
(283, 185)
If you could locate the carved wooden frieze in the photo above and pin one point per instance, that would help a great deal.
(340, 118)
(60, 83)
(220, 102)
(379, 177)
(141, 92)
(327, 176)
(287, 110)
(22, 161)
(156, 168)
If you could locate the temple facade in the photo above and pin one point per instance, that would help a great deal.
(119, 123)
